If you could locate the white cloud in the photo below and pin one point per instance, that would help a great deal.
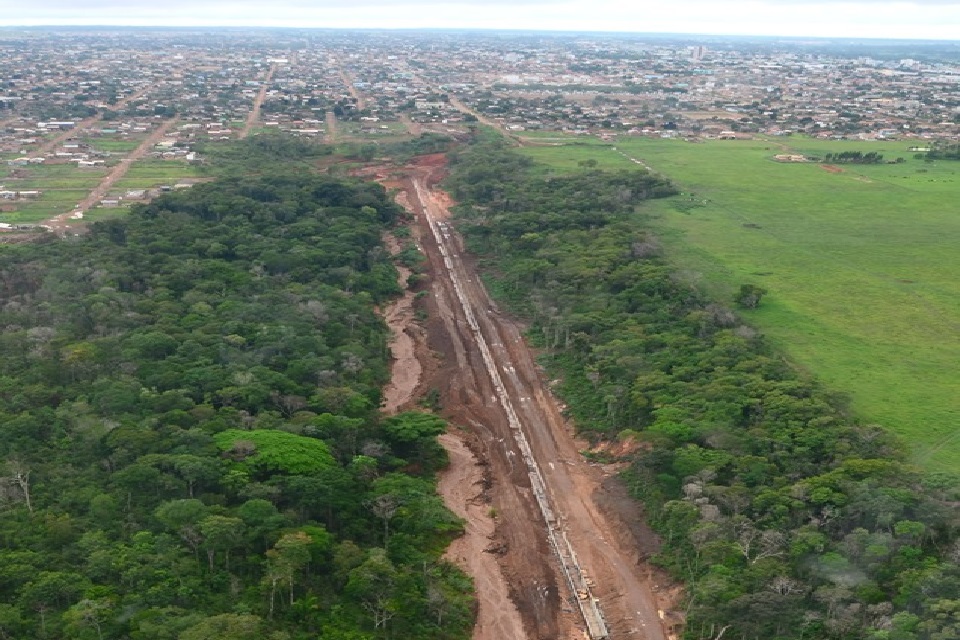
(838, 18)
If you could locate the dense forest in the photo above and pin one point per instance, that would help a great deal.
(190, 439)
(784, 516)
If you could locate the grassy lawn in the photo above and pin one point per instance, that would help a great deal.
(861, 266)
(355, 131)
(50, 203)
(55, 176)
(114, 145)
(62, 187)
(145, 174)
(568, 157)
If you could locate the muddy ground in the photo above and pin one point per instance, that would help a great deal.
(522, 591)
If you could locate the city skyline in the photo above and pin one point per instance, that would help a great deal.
(917, 19)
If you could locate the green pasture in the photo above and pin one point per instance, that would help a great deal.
(54, 176)
(145, 174)
(860, 266)
(114, 145)
(354, 130)
(50, 203)
(579, 155)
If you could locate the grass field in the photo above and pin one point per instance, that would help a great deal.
(148, 173)
(62, 186)
(55, 176)
(114, 145)
(861, 266)
(354, 131)
(50, 203)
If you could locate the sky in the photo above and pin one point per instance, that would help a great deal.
(911, 19)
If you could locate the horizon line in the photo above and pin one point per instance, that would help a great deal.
(657, 34)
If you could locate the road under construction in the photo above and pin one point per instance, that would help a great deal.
(573, 568)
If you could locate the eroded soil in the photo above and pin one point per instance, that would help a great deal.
(464, 482)
(591, 508)
(406, 368)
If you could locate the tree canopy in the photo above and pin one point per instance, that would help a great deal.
(190, 442)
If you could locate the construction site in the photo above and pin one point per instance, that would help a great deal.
(562, 549)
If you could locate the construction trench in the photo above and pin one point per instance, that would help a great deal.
(563, 549)
(573, 572)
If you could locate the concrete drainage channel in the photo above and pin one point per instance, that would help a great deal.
(577, 581)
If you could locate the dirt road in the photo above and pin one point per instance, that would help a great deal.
(490, 384)
(462, 486)
(60, 223)
(83, 125)
(459, 105)
(348, 80)
(254, 114)
(413, 128)
(331, 137)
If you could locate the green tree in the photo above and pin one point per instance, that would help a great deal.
(285, 560)
(749, 296)
(226, 626)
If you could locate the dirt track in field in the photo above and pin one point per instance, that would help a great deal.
(61, 222)
(254, 116)
(50, 144)
(590, 512)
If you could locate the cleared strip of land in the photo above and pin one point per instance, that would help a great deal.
(254, 115)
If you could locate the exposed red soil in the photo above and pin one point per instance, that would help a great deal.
(254, 114)
(406, 370)
(463, 483)
(603, 525)
(831, 168)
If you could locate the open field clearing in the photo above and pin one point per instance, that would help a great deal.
(113, 145)
(379, 132)
(148, 173)
(579, 155)
(859, 262)
(50, 203)
(53, 176)
(61, 188)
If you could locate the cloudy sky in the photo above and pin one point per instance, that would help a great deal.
(928, 19)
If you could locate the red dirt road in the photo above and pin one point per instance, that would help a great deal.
(463, 481)
(351, 89)
(490, 385)
(60, 223)
(83, 125)
(406, 369)
(254, 114)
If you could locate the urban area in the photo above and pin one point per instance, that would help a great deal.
(94, 120)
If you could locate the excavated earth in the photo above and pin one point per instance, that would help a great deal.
(521, 588)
